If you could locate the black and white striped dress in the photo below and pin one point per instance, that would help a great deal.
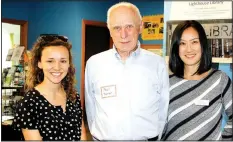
(195, 108)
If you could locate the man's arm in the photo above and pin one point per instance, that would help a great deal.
(164, 98)
(89, 101)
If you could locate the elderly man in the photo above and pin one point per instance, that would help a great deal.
(126, 87)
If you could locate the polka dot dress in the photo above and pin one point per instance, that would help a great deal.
(35, 112)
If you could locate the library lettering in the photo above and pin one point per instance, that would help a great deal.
(218, 30)
(204, 2)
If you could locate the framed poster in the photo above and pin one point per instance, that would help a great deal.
(152, 27)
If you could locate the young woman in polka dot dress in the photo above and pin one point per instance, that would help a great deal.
(51, 109)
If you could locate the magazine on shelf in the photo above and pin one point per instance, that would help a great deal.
(17, 54)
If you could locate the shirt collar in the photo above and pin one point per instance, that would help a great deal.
(134, 53)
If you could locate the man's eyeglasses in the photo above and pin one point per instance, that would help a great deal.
(52, 37)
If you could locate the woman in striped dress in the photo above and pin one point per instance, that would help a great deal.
(198, 93)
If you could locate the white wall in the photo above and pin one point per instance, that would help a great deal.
(11, 28)
(6, 42)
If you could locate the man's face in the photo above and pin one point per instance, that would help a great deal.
(125, 28)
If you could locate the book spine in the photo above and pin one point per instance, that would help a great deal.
(217, 48)
(210, 44)
(222, 48)
(213, 48)
(228, 48)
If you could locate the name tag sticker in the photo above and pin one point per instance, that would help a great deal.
(202, 102)
(108, 91)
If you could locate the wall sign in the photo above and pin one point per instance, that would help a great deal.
(199, 10)
(152, 27)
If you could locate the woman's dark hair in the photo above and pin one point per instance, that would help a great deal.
(35, 75)
(176, 65)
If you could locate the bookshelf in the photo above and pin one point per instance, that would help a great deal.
(221, 60)
(13, 79)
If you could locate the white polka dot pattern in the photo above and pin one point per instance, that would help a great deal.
(35, 112)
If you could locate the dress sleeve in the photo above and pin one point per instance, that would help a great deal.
(89, 94)
(25, 116)
(164, 98)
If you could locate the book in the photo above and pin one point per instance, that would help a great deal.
(213, 47)
(17, 54)
(227, 48)
(217, 48)
(210, 44)
(9, 54)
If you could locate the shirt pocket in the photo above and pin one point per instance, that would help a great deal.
(148, 83)
(146, 91)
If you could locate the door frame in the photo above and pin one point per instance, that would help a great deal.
(23, 29)
(84, 24)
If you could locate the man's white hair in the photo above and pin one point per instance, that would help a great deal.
(123, 4)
